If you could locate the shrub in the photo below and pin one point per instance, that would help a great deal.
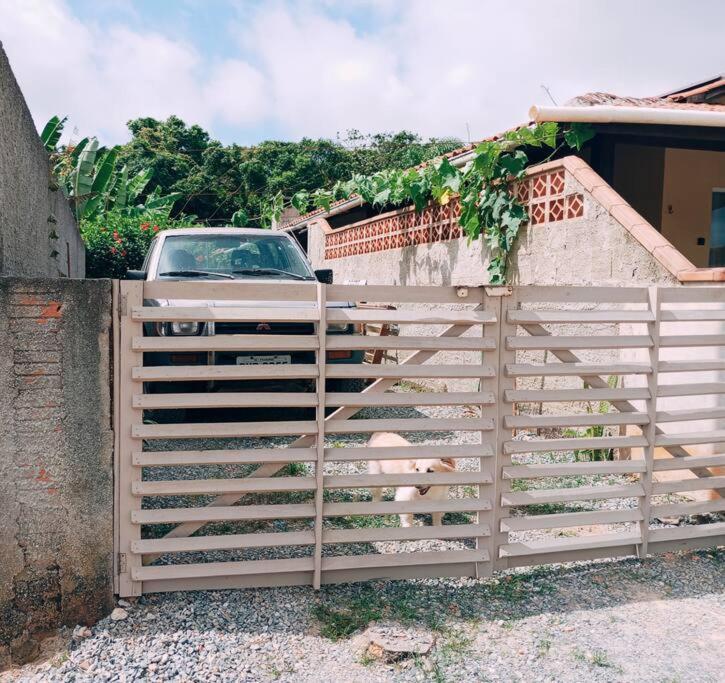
(116, 243)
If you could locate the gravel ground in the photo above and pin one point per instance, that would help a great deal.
(661, 620)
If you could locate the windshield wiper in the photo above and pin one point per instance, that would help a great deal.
(271, 271)
(196, 273)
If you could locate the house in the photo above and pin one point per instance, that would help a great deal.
(642, 203)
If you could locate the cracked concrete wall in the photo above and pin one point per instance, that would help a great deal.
(38, 233)
(56, 445)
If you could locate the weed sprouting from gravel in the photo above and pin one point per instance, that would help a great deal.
(595, 658)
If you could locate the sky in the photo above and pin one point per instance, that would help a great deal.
(251, 70)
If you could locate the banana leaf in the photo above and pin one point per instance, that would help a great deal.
(52, 132)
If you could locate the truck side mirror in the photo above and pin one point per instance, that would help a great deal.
(324, 275)
(136, 275)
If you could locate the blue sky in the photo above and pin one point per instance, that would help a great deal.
(253, 70)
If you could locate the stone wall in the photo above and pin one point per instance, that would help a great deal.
(38, 233)
(56, 481)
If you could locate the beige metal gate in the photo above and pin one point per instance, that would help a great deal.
(285, 498)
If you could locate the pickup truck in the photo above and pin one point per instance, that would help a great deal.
(249, 255)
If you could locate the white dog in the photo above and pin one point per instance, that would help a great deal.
(406, 466)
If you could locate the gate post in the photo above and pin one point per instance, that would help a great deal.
(125, 359)
(508, 300)
(653, 328)
(320, 436)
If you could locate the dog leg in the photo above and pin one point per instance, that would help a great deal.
(406, 520)
(377, 495)
(437, 519)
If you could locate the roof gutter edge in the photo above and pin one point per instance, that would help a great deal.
(639, 115)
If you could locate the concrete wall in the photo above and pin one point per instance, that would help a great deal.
(690, 177)
(56, 491)
(38, 233)
(592, 250)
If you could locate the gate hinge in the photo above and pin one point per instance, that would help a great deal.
(122, 563)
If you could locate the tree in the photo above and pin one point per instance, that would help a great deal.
(217, 182)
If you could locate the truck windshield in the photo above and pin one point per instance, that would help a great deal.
(239, 256)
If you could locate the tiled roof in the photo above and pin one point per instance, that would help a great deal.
(602, 98)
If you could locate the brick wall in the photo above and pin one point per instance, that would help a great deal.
(56, 493)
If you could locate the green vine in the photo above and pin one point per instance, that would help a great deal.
(489, 210)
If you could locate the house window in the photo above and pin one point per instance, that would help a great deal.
(717, 228)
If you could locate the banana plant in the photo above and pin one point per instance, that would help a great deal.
(90, 177)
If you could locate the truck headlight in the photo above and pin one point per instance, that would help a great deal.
(182, 329)
(185, 328)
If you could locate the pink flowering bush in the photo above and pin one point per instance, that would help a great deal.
(116, 243)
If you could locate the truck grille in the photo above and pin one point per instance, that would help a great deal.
(275, 328)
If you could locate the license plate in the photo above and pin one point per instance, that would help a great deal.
(277, 359)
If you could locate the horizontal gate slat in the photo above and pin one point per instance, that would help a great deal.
(402, 559)
(224, 542)
(411, 533)
(563, 545)
(343, 481)
(573, 444)
(661, 465)
(229, 290)
(698, 389)
(690, 414)
(397, 507)
(228, 342)
(595, 295)
(570, 495)
(225, 399)
(421, 451)
(224, 372)
(565, 343)
(696, 484)
(584, 420)
(574, 468)
(694, 508)
(223, 457)
(570, 519)
(692, 316)
(676, 340)
(222, 429)
(552, 395)
(353, 342)
(408, 371)
(270, 314)
(690, 365)
(192, 487)
(398, 294)
(412, 424)
(438, 317)
(599, 316)
(194, 571)
(433, 398)
(223, 513)
(688, 531)
(576, 369)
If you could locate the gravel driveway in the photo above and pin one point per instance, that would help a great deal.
(662, 620)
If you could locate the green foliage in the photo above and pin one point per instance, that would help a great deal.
(50, 136)
(488, 208)
(116, 241)
(217, 181)
(594, 431)
(94, 181)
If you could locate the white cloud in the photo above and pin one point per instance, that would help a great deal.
(316, 68)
